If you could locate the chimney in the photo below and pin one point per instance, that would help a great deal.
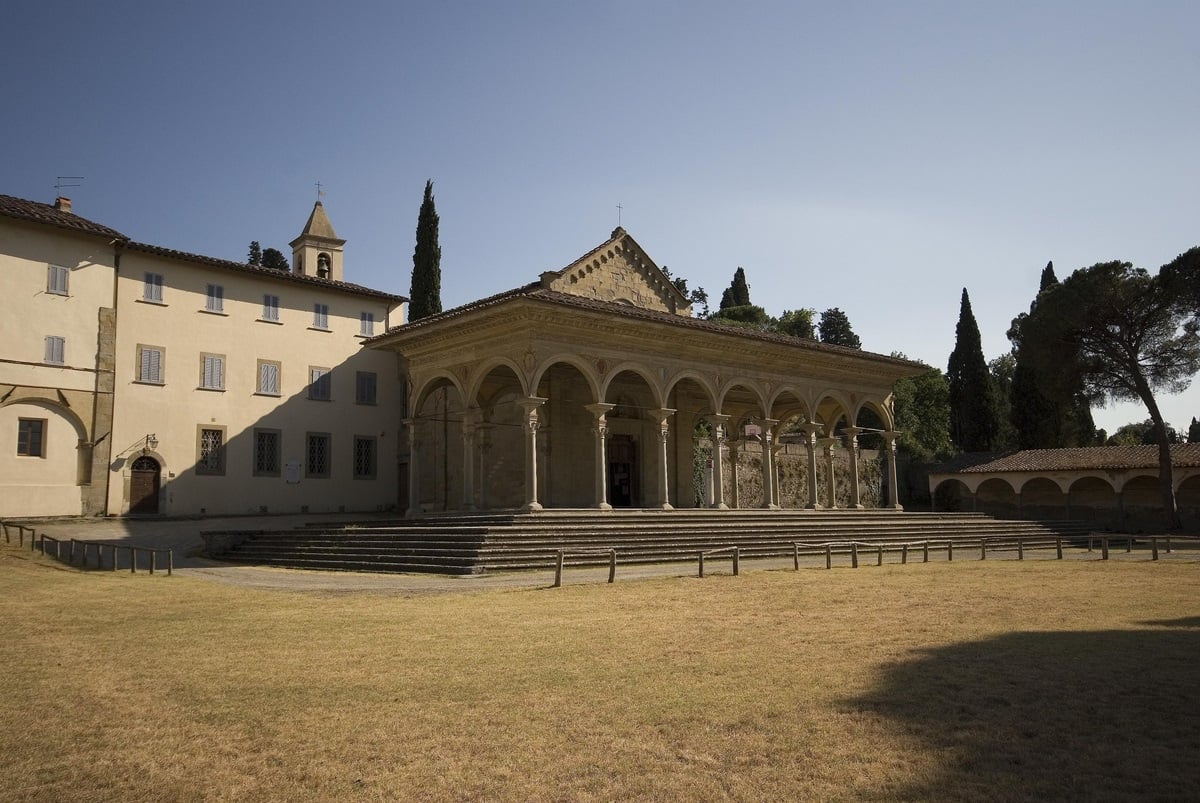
(62, 204)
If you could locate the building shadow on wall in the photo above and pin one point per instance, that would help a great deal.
(1053, 716)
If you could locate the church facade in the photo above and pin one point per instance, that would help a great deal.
(140, 380)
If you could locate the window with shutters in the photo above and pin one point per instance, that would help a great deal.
(364, 387)
(31, 437)
(366, 324)
(152, 286)
(212, 371)
(214, 298)
(317, 458)
(320, 316)
(210, 456)
(268, 378)
(364, 458)
(270, 310)
(150, 364)
(56, 280)
(56, 349)
(266, 452)
(320, 384)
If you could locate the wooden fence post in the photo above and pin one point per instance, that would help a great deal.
(558, 564)
(1129, 544)
(153, 554)
(854, 554)
(828, 556)
(736, 553)
(879, 557)
(133, 560)
(926, 545)
(701, 564)
(71, 553)
(612, 565)
(949, 550)
(1153, 548)
(795, 556)
(983, 549)
(114, 557)
(1168, 545)
(904, 553)
(1020, 548)
(32, 539)
(1058, 546)
(1090, 538)
(1104, 548)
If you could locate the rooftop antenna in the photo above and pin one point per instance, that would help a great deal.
(61, 184)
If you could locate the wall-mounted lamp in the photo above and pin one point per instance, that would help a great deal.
(151, 443)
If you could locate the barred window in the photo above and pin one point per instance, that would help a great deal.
(266, 452)
(214, 298)
(364, 458)
(364, 387)
(211, 457)
(317, 455)
(270, 311)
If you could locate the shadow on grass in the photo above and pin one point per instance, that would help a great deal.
(1052, 716)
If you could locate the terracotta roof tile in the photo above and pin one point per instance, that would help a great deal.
(34, 212)
(268, 273)
(1080, 459)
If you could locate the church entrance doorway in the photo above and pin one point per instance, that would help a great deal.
(624, 486)
(144, 479)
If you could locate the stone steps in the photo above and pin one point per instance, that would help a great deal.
(480, 543)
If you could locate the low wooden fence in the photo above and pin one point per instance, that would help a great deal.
(562, 554)
(70, 550)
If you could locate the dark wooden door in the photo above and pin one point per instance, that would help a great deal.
(623, 488)
(144, 478)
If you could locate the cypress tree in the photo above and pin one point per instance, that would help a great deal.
(835, 328)
(425, 297)
(737, 294)
(974, 424)
(254, 257)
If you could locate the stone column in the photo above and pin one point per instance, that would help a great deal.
(810, 448)
(484, 437)
(530, 405)
(663, 417)
(735, 446)
(776, 448)
(717, 422)
(889, 451)
(414, 469)
(852, 452)
(767, 426)
(600, 431)
(470, 422)
(828, 445)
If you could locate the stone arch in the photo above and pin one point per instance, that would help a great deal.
(487, 369)
(1095, 499)
(431, 383)
(436, 432)
(585, 369)
(750, 397)
(49, 480)
(51, 405)
(642, 371)
(638, 463)
(565, 440)
(1187, 500)
(1142, 502)
(700, 380)
(831, 407)
(801, 404)
(996, 495)
(695, 441)
(953, 495)
(1042, 498)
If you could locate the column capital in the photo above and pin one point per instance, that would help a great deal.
(852, 432)
(662, 414)
(599, 409)
(812, 428)
(531, 403)
(716, 419)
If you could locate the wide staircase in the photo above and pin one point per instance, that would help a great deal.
(475, 544)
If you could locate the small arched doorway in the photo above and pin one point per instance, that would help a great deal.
(144, 478)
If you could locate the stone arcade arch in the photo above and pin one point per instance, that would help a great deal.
(615, 391)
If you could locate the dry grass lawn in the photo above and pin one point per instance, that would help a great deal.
(991, 680)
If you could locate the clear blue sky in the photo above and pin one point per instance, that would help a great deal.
(876, 157)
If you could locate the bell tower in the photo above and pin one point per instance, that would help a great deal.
(318, 250)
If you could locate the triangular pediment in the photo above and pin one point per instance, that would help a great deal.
(619, 271)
